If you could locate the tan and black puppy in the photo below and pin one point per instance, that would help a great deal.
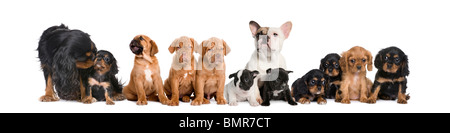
(145, 80)
(210, 78)
(180, 83)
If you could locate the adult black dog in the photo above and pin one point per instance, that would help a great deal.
(66, 58)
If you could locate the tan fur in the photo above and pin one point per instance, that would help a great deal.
(210, 79)
(142, 87)
(180, 82)
(355, 85)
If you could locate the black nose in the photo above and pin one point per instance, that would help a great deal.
(319, 88)
(359, 67)
(330, 70)
(389, 65)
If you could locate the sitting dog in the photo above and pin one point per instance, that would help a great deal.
(330, 66)
(180, 83)
(390, 80)
(241, 88)
(355, 85)
(103, 84)
(311, 87)
(145, 80)
(276, 87)
(66, 57)
(210, 79)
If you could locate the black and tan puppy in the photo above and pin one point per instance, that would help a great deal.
(390, 80)
(311, 87)
(66, 58)
(103, 84)
(330, 66)
(276, 87)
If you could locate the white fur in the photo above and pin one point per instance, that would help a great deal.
(234, 94)
(148, 74)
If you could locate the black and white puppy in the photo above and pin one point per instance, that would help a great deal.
(311, 87)
(330, 66)
(241, 88)
(276, 87)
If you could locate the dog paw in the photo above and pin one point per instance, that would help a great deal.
(292, 102)
(372, 100)
(186, 99)
(259, 100)
(173, 102)
(141, 102)
(345, 101)
(234, 103)
(89, 100)
(221, 101)
(265, 104)
(321, 101)
(165, 101)
(363, 100)
(206, 101)
(46, 98)
(108, 102)
(402, 101)
(197, 102)
(304, 101)
(254, 104)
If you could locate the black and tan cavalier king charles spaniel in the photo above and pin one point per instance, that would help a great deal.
(390, 80)
(330, 66)
(66, 58)
(103, 84)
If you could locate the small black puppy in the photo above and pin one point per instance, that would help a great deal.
(390, 80)
(311, 87)
(103, 84)
(276, 87)
(330, 66)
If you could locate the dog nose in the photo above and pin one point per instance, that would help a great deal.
(330, 70)
(359, 67)
(389, 66)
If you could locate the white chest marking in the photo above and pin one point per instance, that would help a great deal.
(148, 74)
(276, 92)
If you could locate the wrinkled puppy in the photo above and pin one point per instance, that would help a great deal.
(276, 87)
(311, 87)
(180, 83)
(241, 88)
(210, 78)
(145, 79)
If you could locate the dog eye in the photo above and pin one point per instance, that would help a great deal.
(313, 82)
(275, 34)
(386, 58)
(106, 59)
(323, 82)
(245, 80)
(336, 65)
(397, 60)
(363, 60)
(353, 60)
(326, 65)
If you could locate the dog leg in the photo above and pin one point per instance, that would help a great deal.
(374, 92)
(174, 101)
(231, 97)
(88, 99)
(198, 91)
(401, 96)
(289, 98)
(50, 95)
(219, 94)
(344, 93)
(141, 96)
(363, 91)
(266, 96)
(157, 82)
(108, 95)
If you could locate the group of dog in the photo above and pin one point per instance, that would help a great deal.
(75, 70)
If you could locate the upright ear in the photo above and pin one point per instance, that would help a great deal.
(254, 74)
(369, 63)
(226, 49)
(286, 28)
(195, 44)
(378, 61)
(322, 61)
(254, 27)
(289, 72)
(233, 75)
(343, 62)
(173, 45)
(154, 48)
(404, 66)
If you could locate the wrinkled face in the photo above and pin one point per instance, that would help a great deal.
(244, 79)
(184, 48)
(281, 78)
(330, 65)
(103, 62)
(213, 51)
(143, 45)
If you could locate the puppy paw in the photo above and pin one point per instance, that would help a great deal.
(321, 101)
(254, 104)
(141, 102)
(265, 104)
(206, 101)
(186, 99)
(46, 98)
(233, 103)
(197, 102)
(173, 102)
(345, 101)
(165, 101)
(259, 100)
(89, 100)
(363, 99)
(304, 101)
(221, 101)
(372, 100)
(292, 102)
(402, 101)
(109, 102)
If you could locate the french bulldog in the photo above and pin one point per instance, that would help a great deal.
(276, 87)
(241, 88)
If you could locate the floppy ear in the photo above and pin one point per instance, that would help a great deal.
(343, 62)
(269, 70)
(404, 66)
(254, 74)
(154, 48)
(233, 75)
(322, 61)
(226, 49)
(369, 63)
(254, 27)
(289, 71)
(286, 28)
(114, 68)
(195, 44)
(378, 61)
(172, 46)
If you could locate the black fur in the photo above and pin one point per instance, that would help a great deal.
(300, 88)
(389, 90)
(59, 50)
(246, 79)
(278, 88)
(333, 64)
(115, 88)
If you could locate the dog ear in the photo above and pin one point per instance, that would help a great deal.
(254, 27)
(378, 61)
(286, 28)
(322, 61)
(195, 44)
(343, 62)
(233, 75)
(154, 48)
(226, 49)
(404, 66)
(173, 45)
(369, 59)
(289, 72)
(269, 70)
(114, 68)
(254, 74)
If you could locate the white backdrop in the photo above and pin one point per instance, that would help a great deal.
(420, 28)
